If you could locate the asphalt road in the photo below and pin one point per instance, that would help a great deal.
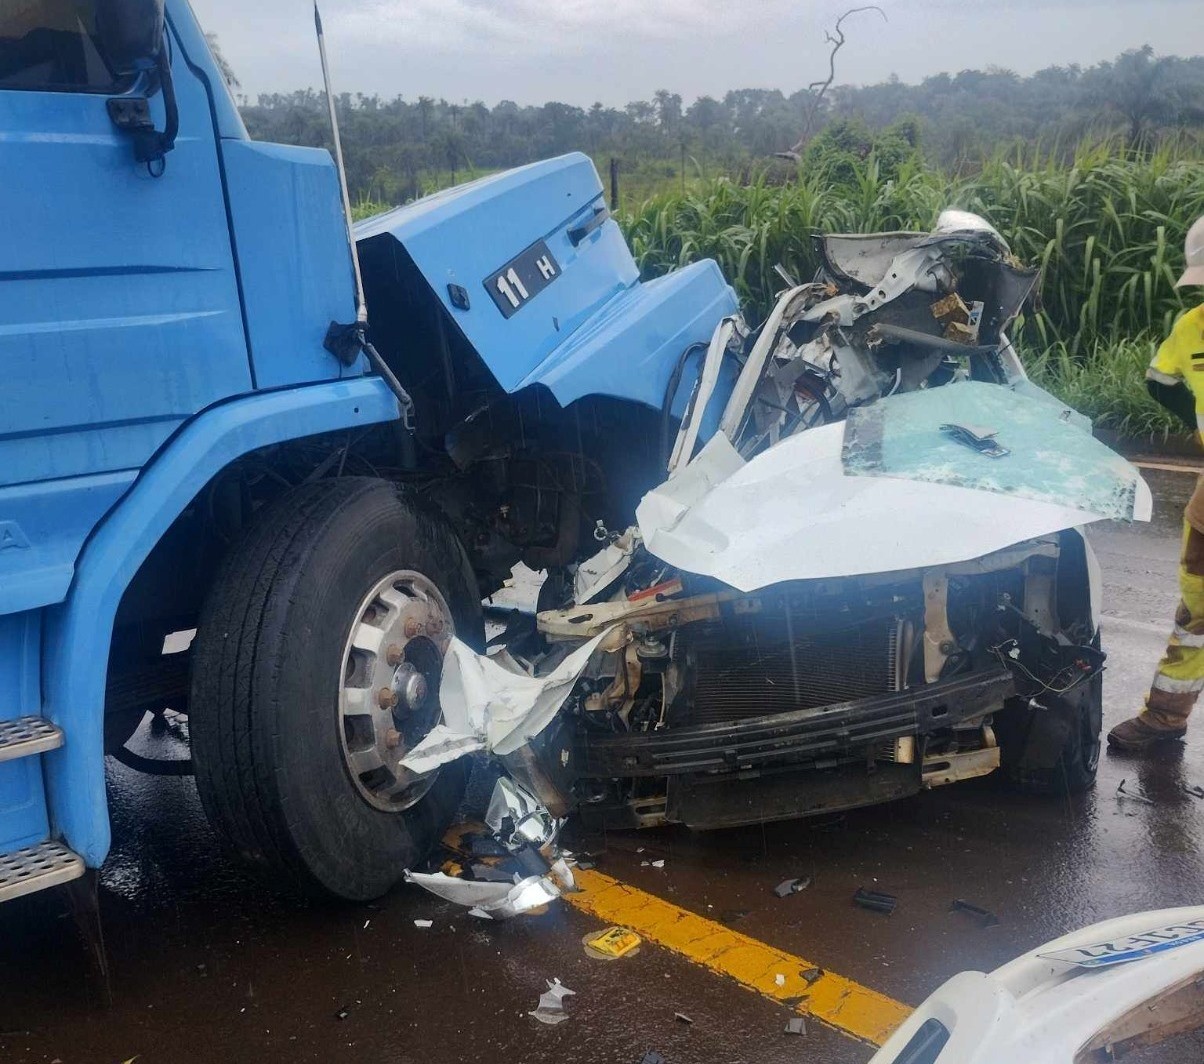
(207, 965)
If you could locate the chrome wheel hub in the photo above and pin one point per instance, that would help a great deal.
(389, 686)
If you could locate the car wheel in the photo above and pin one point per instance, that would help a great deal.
(1055, 749)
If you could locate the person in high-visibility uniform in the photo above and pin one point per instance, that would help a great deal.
(1176, 379)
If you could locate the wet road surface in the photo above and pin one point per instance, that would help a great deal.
(208, 965)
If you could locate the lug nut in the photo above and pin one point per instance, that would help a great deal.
(393, 655)
(434, 626)
(392, 738)
(386, 699)
(412, 628)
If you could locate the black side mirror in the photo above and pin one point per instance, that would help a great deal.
(131, 37)
(130, 32)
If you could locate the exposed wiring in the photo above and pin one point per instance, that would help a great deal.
(1010, 662)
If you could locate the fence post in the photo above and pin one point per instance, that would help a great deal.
(614, 184)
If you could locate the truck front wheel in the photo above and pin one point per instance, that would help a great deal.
(315, 667)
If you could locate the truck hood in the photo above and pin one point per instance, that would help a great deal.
(889, 489)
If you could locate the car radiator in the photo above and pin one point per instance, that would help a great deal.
(740, 669)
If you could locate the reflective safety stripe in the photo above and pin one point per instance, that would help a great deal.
(1188, 639)
(1152, 374)
(1170, 685)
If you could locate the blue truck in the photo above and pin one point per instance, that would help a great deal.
(229, 491)
(179, 448)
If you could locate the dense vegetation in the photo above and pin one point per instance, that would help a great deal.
(397, 149)
(1106, 227)
(1094, 174)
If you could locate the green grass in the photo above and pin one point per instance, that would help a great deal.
(1106, 228)
(1107, 384)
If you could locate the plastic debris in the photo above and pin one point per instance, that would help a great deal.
(1137, 796)
(811, 975)
(681, 1017)
(796, 1025)
(779, 980)
(611, 944)
(658, 864)
(876, 900)
(984, 916)
(424, 923)
(550, 1009)
(792, 886)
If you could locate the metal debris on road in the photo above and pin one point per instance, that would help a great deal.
(796, 1025)
(550, 1009)
(342, 1014)
(876, 900)
(681, 1017)
(1137, 796)
(611, 944)
(517, 818)
(811, 975)
(792, 886)
(985, 917)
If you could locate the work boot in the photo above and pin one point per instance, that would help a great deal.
(1136, 735)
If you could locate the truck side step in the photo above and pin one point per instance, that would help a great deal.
(37, 867)
(27, 736)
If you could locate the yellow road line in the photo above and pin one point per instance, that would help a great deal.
(832, 999)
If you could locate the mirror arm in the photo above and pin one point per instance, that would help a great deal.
(131, 114)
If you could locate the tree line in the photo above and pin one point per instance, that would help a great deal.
(399, 148)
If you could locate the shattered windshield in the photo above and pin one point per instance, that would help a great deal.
(976, 435)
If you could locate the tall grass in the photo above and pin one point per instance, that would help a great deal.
(1107, 230)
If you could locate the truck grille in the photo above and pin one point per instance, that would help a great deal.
(740, 670)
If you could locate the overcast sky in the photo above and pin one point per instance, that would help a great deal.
(579, 51)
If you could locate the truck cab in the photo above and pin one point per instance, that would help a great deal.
(185, 464)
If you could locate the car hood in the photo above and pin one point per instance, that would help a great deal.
(889, 489)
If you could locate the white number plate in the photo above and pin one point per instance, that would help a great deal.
(1131, 947)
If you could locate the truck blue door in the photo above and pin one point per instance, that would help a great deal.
(119, 305)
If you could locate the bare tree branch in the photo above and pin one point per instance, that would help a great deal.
(836, 38)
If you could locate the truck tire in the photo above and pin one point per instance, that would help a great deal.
(315, 665)
(1054, 750)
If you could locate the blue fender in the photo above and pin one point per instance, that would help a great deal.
(80, 629)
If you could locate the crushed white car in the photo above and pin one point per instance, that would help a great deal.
(863, 575)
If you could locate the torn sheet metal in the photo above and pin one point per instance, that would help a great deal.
(488, 900)
(517, 818)
(596, 574)
(491, 704)
(794, 513)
